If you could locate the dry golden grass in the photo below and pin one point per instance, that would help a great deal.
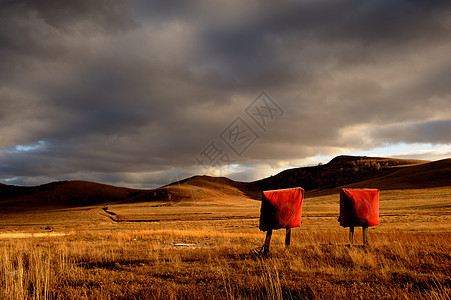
(215, 260)
(409, 256)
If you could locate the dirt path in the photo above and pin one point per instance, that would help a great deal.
(22, 235)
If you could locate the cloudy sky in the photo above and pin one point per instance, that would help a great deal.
(137, 93)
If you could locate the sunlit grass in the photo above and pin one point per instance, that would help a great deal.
(409, 256)
(147, 263)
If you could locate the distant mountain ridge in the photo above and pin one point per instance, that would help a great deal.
(351, 171)
(427, 175)
(63, 193)
(341, 170)
(14, 191)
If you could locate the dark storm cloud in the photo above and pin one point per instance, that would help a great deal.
(105, 15)
(436, 132)
(325, 27)
(130, 92)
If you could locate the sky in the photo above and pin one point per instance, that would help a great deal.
(141, 93)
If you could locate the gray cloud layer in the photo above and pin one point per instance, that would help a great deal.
(130, 92)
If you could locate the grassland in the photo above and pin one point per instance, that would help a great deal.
(195, 250)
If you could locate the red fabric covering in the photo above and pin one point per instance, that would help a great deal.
(281, 209)
(359, 207)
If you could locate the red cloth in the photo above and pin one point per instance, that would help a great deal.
(281, 209)
(359, 207)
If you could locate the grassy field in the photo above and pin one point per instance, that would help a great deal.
(197, 251)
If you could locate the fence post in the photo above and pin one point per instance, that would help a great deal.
(287, 238)
(365, 235)
(351, 235)
(267, 241)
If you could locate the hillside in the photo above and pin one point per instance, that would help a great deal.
(428, 175)
(63, 193)
(14, 191)
(382, 173)
(83, 193)
(207, 187)
(340, 171)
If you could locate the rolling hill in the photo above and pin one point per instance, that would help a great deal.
(340, 171)
(63, 193)
(427, 175)
(351, 171)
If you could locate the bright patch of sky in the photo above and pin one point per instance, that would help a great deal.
(27, 148)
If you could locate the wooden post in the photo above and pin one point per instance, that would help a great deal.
(365, 235)
(351, 235)
(267, 241)
(287, 238)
